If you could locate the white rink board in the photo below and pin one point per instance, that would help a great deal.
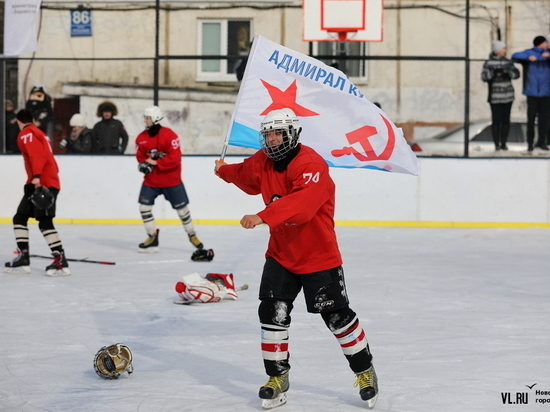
(447, 190)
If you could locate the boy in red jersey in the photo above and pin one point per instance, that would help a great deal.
(302, 252)
(42, 170)
(159, 156)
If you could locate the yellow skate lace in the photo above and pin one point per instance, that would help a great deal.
(149, 240)
(364, 380)
(278, 383)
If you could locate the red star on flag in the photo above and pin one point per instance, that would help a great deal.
(285, 99)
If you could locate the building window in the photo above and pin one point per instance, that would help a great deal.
(356, 69)
(218, 38)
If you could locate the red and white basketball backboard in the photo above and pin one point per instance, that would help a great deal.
(338, 20)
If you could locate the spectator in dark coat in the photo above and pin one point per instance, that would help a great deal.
(40, 105)
(12, 128)
(110, 137)
(499, 72)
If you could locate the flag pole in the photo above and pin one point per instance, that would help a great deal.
(241, 88)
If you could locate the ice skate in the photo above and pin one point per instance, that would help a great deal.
(151, 244)
(20, 264)
(273, 393)
(368, 386)
(195, 241)
(59, 266)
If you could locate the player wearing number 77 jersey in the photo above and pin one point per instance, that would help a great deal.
(39, 200)
(302, 252)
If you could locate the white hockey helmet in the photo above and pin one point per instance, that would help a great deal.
(77, 120)
(154, 113)
(285, 122)
(111, 361)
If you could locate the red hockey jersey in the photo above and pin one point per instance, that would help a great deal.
(166, 144)
(37, 152)
(299, 208)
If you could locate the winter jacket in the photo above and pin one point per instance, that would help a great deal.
(12, 130)
(499, 72)
(536, 74)
(83, 143)
(42, 113)
(110, 137)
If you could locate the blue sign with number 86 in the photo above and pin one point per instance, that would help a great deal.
(81, 23)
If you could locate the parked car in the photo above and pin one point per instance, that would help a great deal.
(450, 143)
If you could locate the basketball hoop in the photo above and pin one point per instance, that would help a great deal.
(342, 20)
(342, 17)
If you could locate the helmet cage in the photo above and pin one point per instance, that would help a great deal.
(111, 361)
(278, 152)
(282, 121)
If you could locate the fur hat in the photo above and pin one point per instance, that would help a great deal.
(497, 45)
(537, 41)
(107, 106)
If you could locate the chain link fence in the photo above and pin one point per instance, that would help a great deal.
(425, 95)
(417, 102)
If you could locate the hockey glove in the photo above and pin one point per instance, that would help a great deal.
(202, 255)
(145, 168)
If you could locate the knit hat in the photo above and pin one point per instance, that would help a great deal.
(537, 41)
(497, 45)
(77, 120)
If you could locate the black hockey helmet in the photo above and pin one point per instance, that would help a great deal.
(42, 198)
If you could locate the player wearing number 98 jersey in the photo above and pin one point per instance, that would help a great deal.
(302, 252)
(159, 155)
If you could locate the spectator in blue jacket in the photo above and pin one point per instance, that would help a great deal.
(536, 86)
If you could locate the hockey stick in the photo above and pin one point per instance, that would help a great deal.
(77, 260)
(189, 302)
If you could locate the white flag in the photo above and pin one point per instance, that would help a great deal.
(337, 120)
(20, 26)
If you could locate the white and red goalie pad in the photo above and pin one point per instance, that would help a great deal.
(213, 288)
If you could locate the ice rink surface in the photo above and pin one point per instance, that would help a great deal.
(457, 320)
